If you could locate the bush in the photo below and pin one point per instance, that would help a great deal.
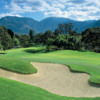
(51, 48)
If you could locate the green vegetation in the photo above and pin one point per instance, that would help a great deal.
(17, 65)
(18, 60)
(78, 61)
(64, 38)
(5, 38)
(13, 90)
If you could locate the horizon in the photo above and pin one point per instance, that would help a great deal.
(47, 17)
(40, 9)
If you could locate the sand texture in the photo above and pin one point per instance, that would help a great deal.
(57, 79)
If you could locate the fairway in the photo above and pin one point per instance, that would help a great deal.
(65, 82)
(88, 62)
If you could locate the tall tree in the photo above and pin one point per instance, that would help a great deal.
(11, 33)
(65, 28)
(24, 40)
(5, 38)
(31, 34)
(91, 38)
(46, 35)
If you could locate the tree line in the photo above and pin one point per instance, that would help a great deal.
(64, 37)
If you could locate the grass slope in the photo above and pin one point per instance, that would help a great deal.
(17, 65)
(88, 62)
(13, 90)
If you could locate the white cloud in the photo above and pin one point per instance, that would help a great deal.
(9, 14)
(74, 9)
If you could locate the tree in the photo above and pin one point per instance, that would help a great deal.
(24, 40)
(39, 38)
(57, 32)
(65, 28)
(91, 39)
(1, 46)
(74, 32)
(74, 42)
(5, 38)
(31, 35)
(11, 33)
(16, 42)
(46, 35)
(60, 41)
(50, 41)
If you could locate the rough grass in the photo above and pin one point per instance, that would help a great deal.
(13, 90)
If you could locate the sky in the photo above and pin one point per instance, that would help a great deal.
(80, 10)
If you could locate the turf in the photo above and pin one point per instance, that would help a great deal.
(13, 90)
(88, 62)
(17, 65)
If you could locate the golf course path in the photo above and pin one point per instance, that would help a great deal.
(58, 79)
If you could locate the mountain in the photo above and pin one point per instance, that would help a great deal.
(22, 25)
(95, 24)
(19, 24)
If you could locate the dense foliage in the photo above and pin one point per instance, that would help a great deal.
(64, 37)
(5, 38)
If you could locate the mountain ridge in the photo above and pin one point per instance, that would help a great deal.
(22, 25)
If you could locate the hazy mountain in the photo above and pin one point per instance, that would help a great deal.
(95, 24)
(22, 25)
(19, 24)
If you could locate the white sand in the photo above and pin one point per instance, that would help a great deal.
(58, 79)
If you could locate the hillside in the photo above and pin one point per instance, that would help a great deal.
(96, 23)
(19, 24)
(22, 25)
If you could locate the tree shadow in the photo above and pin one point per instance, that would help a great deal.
(2, 53)
(34, 51)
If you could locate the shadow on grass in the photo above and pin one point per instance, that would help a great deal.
(17, 72)
(97, 85)
(2, 53)
(34, 51)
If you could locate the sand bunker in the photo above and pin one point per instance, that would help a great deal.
(57, 79)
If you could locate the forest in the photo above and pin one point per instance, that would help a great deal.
(64, 37)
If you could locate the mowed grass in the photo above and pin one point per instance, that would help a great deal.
(13, 63)
(88, 62)
(13, 90)
(17, 65)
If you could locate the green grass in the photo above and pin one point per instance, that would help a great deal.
(13, 90)
(88, 62)
(19, 60)
(17, 65)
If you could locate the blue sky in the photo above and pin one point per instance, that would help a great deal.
(39, 9)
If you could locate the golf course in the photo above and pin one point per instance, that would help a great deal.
(34, 74)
